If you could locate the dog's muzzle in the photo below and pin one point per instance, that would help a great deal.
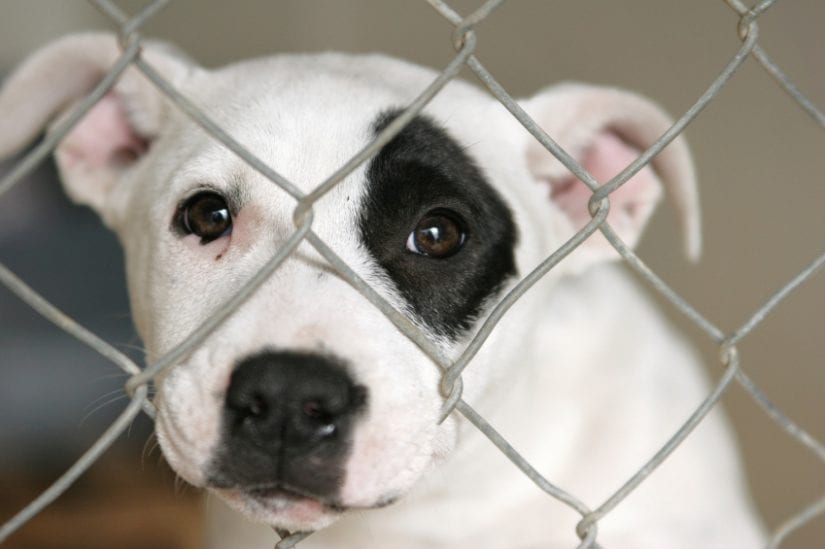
(288, 418)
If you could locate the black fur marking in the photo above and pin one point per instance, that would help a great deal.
(420, 170)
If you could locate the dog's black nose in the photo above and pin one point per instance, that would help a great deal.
(287, 423)
(291, 398)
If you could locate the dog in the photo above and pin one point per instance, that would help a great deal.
(308, 410)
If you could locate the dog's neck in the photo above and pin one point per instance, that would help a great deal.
(543, 393)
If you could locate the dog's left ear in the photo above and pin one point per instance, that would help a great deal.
(605, 129)
(113, 137)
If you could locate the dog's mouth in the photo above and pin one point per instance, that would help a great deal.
(283, 495)
(281, 506)
(287, 506)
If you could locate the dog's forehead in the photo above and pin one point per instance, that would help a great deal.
(306, 115)
(334, 81)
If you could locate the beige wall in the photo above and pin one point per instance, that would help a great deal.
(760, 158)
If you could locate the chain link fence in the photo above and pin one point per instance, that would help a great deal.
(464, 40)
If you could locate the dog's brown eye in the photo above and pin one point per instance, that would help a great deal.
(439, 234)
(206, 215)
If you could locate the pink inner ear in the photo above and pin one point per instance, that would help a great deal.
(630, 204)
(104, 138)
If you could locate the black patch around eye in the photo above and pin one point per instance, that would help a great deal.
(420, 170)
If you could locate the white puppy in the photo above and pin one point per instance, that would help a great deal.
(308, 406)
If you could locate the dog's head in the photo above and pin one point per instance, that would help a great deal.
(308, 401)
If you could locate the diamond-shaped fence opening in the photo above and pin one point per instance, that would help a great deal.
(465, 40)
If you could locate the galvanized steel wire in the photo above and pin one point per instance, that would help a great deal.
(464, 40)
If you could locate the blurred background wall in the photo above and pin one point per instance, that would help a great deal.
(760, 161)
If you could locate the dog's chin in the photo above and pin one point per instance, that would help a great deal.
(281, 508)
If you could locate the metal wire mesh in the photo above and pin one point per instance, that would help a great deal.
(464, 40)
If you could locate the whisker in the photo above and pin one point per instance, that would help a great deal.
(149, 446)
(103, 405)
(102, 397)
(105, 377)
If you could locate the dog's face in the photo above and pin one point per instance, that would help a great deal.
(308, 390)
(307, 401)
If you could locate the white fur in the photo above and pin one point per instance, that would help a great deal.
(582, 376)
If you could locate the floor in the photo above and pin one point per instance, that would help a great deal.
(122, 502)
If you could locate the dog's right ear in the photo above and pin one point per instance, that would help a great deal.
(113, 136)
(605, 129)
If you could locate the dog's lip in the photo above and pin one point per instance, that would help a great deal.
(279, 507)
(280, 493)
(269, 494)
(283, 492)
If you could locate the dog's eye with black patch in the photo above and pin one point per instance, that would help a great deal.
(439, 234)
(206, 215)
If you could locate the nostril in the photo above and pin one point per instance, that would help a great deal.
(249, 412)
(257, 406)
(312, 409)
(321, 419)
